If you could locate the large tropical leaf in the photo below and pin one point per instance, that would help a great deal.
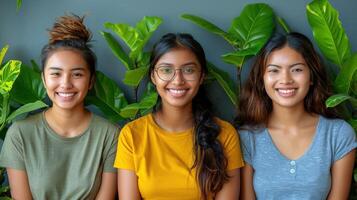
(117, 50)
(336, 100)
(127, 33)
(224, 81)
(283, 24)
(133, 77)
(25, 109)
(3, 52)
(8, 75)
(237, 58)
(253, 27)
(203, 23)
(108, 97)
(28, 87)
(146, 27)
(328, 31)
(343, 80)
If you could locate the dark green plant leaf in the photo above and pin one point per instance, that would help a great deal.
(35, 66)
(224, 81)
(237, 58)
(148, 101)
(328, 31)
(117, 50)
(28, 87)
(283, 24)
(206, 25)
(146, 27)
(336, 99)
(353, 123)
(107, 96)
(144, 59)
(8, 75)
(344, 79)
(25, 109)
(133, 77)
(127, 33)
(3, 52)
(253, 27)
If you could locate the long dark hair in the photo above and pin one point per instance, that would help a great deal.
(210, 162)
(69, 33)
(255, 105)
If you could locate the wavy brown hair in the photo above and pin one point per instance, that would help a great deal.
(69, 32)
(210, 162)
(255, 105)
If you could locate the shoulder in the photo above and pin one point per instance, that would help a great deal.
(227, 131)
(101, 122)
(138, 126)
(27, 125)
(335, 127)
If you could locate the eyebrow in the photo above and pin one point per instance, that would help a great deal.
(188, 63)
(278, 66)
(60, 69)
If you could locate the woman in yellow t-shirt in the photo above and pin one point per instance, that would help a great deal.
(180, 151)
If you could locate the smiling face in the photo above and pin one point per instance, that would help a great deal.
(182, 88)
(67, 79)
(286, 78)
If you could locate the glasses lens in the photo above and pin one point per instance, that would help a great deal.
(189, 73)
(165, 73)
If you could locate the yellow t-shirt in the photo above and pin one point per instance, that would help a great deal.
(162, 160)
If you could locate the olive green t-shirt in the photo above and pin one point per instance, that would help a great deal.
(58, 167)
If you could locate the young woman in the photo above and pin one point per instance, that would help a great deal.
(65, 152)
(293, 146)
(180, 151)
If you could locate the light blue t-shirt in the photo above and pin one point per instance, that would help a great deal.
(308, 177)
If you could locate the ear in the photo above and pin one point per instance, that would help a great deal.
(43, 79)
(152, 77)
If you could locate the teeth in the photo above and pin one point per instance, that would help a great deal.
(63, 94)
(286, 91)
(177, 91)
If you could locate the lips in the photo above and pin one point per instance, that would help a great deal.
(177, 92)
(66, 96)
(286, 92)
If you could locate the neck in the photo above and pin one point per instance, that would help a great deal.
(175, 119)
(289, 117)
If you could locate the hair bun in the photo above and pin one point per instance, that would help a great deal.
(69, 27)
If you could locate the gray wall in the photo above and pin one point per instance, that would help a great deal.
(25, 30)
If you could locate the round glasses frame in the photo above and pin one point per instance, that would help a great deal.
(174, 74)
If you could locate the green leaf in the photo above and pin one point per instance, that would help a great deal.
(35, 66)
(117, 50)
(25, 109)
(18, 4)
(237, 58)
(127, 33)
(344, 79)
(283, 24)
(147, 102)
(328, 31)
(224, 81)
(336, 99)
(107, 96)
(8, 75)
(133, 77)
(146, 27)
(204, 24)
(144, 59)
(353, 123)
(28, 87)
(3, 52)
(253, 27)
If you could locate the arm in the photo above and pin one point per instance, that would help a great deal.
(247, 189)
(341, 173)
(128, 185)
(230, 190)
(20, 188)
(108, 187)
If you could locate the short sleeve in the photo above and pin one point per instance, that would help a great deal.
(345, 141)
(247, 146)
(12, 152)
(109, 160)
(231, 147)
(125, 155)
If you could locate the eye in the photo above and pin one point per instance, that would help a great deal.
(273, 70)
(77, 75)
(166, 70)
(297, 70)
(189, 70)
(55, 74)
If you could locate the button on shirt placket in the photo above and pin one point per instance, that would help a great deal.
(292, 169)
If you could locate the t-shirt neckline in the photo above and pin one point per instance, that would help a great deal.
(167, 133)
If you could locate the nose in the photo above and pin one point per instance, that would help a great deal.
(178, 77)
(286, 77)
(66, 81)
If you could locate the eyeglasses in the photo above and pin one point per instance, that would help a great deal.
(167, 73)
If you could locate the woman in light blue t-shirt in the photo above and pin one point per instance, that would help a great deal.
(294, 147)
